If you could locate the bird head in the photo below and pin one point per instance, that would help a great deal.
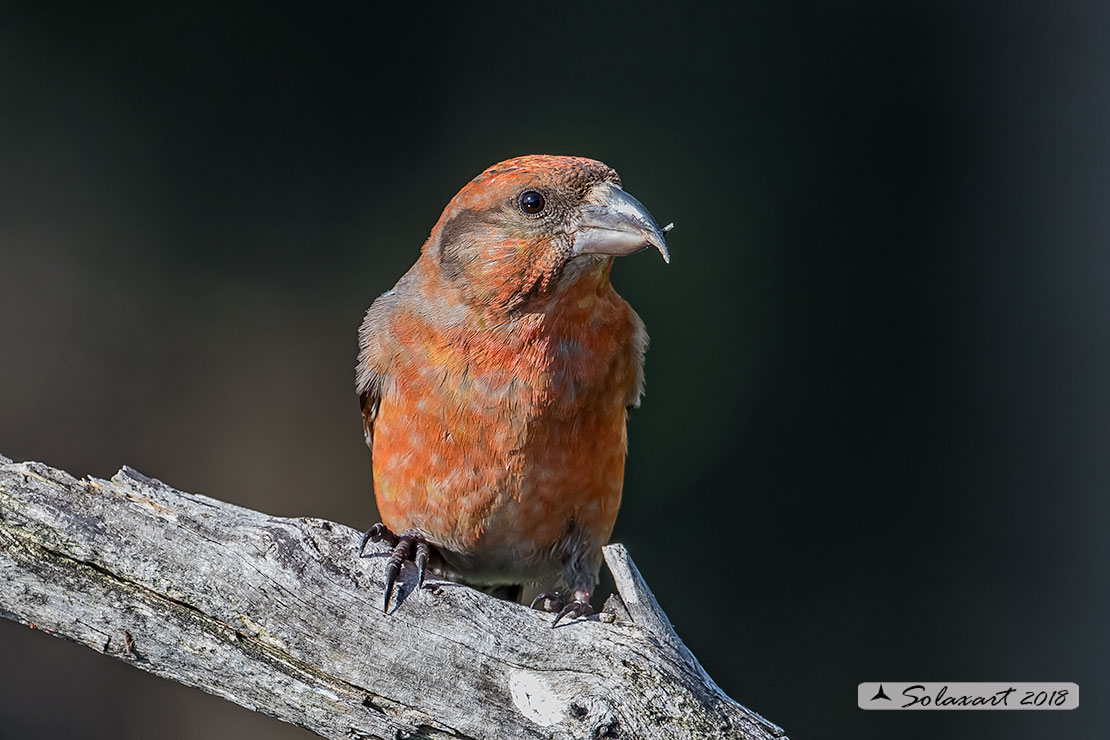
(527, 227)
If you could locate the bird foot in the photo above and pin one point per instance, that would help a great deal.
(549, 601)
(408, 547)
(553, 601)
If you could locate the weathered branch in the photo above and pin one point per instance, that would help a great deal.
(281, 616)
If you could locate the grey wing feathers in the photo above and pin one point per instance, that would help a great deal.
(639, 348)
(370, 400)
(371, 373)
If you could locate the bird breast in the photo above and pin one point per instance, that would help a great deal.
(501, 442)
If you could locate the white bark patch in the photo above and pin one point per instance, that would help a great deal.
(535, 697)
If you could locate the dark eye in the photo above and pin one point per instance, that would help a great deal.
(531, 202)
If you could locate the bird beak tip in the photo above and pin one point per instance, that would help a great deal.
(662, 246)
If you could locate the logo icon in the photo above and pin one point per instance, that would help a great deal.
(880, 694)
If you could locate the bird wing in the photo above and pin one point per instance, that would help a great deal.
(373, 361)
(370, 400)
(637, 347)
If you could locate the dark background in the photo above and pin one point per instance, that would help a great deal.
(877, 387)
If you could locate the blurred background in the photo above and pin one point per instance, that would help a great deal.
(877, 386)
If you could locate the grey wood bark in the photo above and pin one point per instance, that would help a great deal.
(281, 616)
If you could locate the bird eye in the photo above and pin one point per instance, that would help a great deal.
(531, 202)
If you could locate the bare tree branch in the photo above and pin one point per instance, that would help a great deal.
(281, 616)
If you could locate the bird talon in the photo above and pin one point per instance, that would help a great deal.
(574, 609)
(408, 547)
(423, 552)
(378, 533)
(549, 601)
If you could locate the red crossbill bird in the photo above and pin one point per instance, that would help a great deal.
(495, 380)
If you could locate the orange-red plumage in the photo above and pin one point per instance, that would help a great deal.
(496, 375)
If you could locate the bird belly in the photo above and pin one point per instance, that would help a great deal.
(509, 490)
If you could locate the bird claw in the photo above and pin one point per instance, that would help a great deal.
(378, 533)
(549, 601)
(574, 609)
(410, 546)
(553, 601)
